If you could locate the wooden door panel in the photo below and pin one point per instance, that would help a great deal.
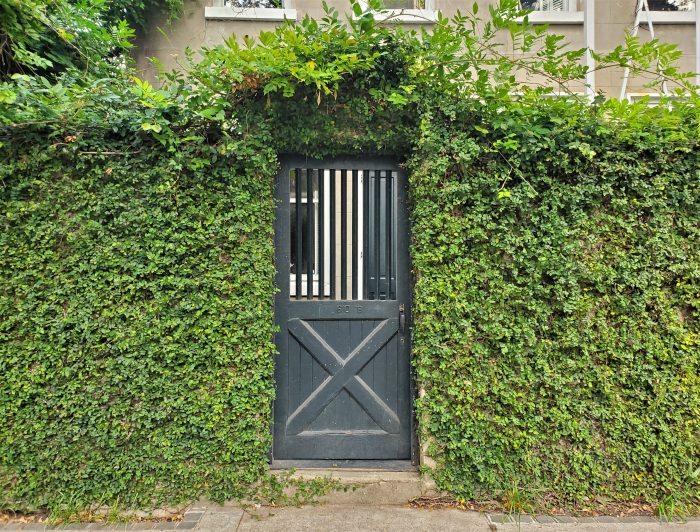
(343, 379)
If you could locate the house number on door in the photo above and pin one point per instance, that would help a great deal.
(347, 309)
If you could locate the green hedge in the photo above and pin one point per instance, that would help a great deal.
(137, 320)
(556, 329)
(554, 247)
(557, 306)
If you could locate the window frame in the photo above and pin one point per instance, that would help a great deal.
(574, 15)
(654, 98)
(220, 11)
(426, 15)
(669, 16)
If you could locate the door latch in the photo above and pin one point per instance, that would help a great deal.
(402, 318)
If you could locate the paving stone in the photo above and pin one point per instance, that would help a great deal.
(221, 520)
(165, 525)
(545, 519)
(501, 518)
(646, 519)
(606, 519)
(523, 518)
(78, 526)
(142, 525)
(364, 519)
(192, 516)
(629, 519)
(183, 525)
(566, 519)
(587, 520)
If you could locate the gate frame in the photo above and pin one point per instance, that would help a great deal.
(373, 162)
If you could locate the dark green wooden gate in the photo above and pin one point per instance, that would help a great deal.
(343, 370)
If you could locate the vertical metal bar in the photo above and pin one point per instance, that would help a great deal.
(389, 223)
(310, 233)
(365, 233)
(332, 230)
(344, 234)
(377, 207)
(300, 231)
(321, 233)
(354, 233)
(371, 240)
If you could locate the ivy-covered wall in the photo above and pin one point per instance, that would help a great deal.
(557, 304)
(136, 322)
(554, 245)
(136, 302)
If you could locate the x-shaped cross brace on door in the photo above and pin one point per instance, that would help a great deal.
(343, 375)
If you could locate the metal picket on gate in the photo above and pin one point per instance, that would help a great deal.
(341, 251)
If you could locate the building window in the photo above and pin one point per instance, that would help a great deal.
(404, 4)
(671, 5)
(550, 5)
(407, 11)
(272, 10)
(553, 11)
(670, 12)
(253, 3)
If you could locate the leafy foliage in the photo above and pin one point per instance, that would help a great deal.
(554, 249)
(137, 321)
(557, 303)
(48, 37)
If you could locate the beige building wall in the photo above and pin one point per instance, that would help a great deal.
(167, 41)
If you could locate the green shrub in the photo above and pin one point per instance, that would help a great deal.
(554, 246)
(557, 305)
(137, 321)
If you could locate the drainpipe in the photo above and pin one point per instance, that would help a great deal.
(697, 40)
(589, 40)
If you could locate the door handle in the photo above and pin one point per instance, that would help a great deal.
(402, 318)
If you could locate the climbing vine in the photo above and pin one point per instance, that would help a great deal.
(554, 247)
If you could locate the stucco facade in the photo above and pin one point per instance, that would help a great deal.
(209, 23)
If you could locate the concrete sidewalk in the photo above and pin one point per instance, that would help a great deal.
(377, 502)
(369, 518)
(329, 518)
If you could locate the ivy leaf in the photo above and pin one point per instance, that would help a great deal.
(151, 127)
(505, 193)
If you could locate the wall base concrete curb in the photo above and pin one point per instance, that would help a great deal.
(371, 487)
